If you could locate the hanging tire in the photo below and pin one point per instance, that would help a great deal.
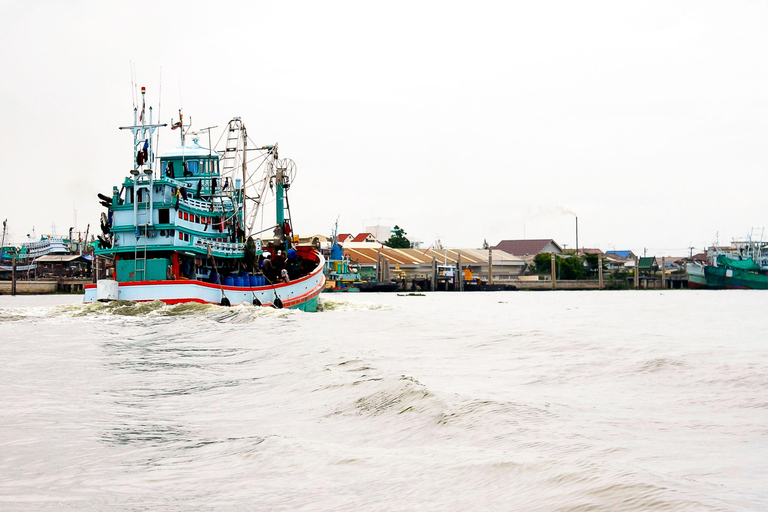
(278, 303)
(256, 302)
(225, 302)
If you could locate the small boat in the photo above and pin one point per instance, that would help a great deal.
(184, 232)
(696, 277)
(341, 275)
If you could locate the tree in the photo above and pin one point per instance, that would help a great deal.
(566, 268)
(572, 268)
(543, 263)
(397, 240)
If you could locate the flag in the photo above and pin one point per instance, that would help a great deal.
(178, 125)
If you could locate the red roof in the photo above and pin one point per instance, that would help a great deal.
(362, 237)
(343, 238)
(523, 247)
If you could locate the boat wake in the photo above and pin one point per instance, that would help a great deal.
(238, 313)
(343, 304)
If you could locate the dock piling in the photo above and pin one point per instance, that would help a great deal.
(637, 273)
(13, 276)
(554, 269)
(600, 271)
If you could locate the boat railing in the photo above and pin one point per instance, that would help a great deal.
(222, 248)
(206, 205)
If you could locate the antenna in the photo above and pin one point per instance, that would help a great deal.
(159, 104)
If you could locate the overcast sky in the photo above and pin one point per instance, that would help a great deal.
(461, 122)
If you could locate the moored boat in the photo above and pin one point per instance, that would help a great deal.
(182, 234)
(696, 277)
(732, 273)
(341, 275)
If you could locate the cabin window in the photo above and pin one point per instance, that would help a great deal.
(193, 166)
(186, 216)
(163, 216)
(181, 235)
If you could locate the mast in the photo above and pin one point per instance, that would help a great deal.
(245, 146)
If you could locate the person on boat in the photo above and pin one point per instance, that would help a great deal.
(278, 262)
(293, 264)
(267, 268)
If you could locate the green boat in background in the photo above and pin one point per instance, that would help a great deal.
(729, 272)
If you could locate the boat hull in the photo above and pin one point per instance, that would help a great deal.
(723, 277)
(696, 277)
(298, 294)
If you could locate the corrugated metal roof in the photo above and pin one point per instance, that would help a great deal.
(523, 247)
(421, 257)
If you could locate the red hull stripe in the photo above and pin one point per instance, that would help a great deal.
(211, 285)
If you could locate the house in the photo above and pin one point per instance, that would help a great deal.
(522, 248)
(648, 264)
(614, 261)
(626, 255)
(361, 240)
(365, 237)
(343, 238)
(64, 265)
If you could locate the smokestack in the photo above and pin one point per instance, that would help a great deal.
(577, 236)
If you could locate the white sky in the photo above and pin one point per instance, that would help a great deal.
(459, 121)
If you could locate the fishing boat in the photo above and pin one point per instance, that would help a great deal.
(184, 232)
(736, 273)
(341, 275)
(746, 266)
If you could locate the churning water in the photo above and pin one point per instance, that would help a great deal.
(477, 401)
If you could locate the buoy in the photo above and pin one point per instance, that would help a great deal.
(225, 302)
(256, 302)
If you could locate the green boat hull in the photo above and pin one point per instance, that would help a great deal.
(724, 277)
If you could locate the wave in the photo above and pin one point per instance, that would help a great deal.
(237, 313)
(345, 304)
